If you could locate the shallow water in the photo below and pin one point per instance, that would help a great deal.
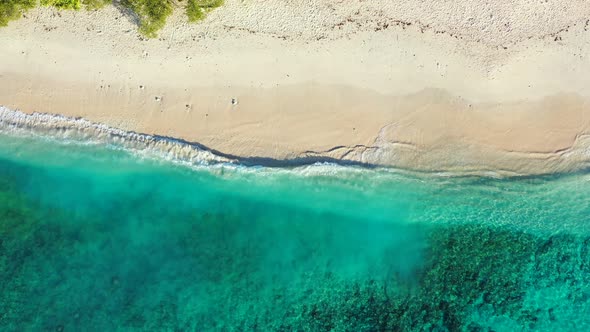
(94, 237)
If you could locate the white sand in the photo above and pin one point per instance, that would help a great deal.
(466, 86)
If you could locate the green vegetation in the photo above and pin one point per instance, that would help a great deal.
(76, 4)
(196, 10)
(13, 9)
(152, 14)
(62, 4)
(95, 4)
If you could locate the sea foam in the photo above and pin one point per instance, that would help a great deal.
(64, 129)
(78, 130)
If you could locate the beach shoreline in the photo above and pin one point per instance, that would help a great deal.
(372, 91)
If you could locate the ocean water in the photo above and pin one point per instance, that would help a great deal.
(94, 237)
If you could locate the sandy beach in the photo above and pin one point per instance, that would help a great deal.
(457, 86)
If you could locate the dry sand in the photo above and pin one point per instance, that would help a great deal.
(459, 86)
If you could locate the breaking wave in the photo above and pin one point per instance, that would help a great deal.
(83, 131)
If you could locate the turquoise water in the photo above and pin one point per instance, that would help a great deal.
(94, 238)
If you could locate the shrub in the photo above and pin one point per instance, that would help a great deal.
(197, 10)
(152, 14)
(62, 4)
(95, 4)
(12, 9)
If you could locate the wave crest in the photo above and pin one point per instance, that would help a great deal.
(80, 130)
